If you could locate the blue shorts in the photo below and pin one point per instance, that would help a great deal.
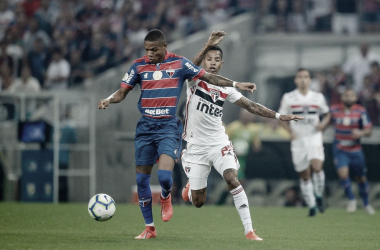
(155, 137)
(354, 160)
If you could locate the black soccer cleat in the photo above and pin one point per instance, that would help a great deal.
(320, 204)
(312, 212)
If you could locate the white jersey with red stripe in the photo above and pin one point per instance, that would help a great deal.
(203, 114)
(310, 106)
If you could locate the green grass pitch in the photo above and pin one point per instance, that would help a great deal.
(69, 226)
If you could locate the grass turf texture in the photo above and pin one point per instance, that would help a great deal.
(69, 226)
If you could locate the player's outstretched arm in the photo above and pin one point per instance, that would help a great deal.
(215, 38)
(116, 97)
(221, 81)
(261, 110)
(324, 123)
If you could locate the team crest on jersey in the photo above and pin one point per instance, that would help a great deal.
(187, 169)
(214, 94)
(143, 203)
(170, 72)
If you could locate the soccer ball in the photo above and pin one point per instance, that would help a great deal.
(101, 207)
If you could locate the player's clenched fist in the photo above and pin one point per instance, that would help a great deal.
(103, 104)
(246, 86)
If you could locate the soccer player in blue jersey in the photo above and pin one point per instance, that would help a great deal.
(351, 123)
(161, 75)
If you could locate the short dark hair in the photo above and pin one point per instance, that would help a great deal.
(155, 36)
(217, 48)
(374, 64)
(303, 69)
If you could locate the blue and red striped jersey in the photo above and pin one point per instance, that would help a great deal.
(345, 121)
(160, 83)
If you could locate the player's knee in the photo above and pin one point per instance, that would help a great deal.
(142, 180)
(198, 203)
(233, 182)
(164, 176)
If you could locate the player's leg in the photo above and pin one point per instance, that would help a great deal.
(359, 170)
(302, 166)
(226, 163)
(342, 162)
(168, 148)
(318, 177)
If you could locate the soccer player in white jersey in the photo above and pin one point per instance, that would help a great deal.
(207, 143)
(306, 138)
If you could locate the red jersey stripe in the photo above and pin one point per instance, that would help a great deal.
(199, 75)
(357, 147)
(163, 66)
(158, 102)
(163, 83)
(125, 85)
(344, 137)
(345, 127)
(158, 117)
(203, 85)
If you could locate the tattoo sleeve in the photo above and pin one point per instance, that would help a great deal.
(255, 108)
(217, 80)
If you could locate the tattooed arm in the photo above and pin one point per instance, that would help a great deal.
(221, 81)
(215, 38)
(258, 109)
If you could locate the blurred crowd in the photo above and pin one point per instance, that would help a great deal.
(337, 16)
(56, 44)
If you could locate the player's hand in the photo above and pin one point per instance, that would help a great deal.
(215, 38)
(103, 104)
(357, 133)
(246, 86)
(291, 118)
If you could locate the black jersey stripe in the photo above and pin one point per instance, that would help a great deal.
(209, 98)
(301, 112)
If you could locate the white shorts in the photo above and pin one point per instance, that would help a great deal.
(302, 156)
(197, 161)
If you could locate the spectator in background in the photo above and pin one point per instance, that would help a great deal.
(281, 9)
(58, 72)
(5, 59)
(33, 33)
(6, 78)
(265, 20)
(359, 65)
(26, 83)
(271, 130)
(15, 51)
(297, 18)
(319, 15)
(30, 7)
(345, 17)
(78, 70)
(96, 55)
(318, 82)
(47, 15)
(38, 60)
(213, 15)
(7, 16)
(195, 22)
(335, 85)
(371, 16)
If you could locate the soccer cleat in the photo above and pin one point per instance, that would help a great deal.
(166, 208)
(149, 232)
(252, 236)
(369, 209)
(185, 192)
(320, 204)
(351, 206)
(312, 211)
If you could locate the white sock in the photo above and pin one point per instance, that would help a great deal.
(150, 224)
(190, 196)
(242, 206)
(308, 192)
(319, 183)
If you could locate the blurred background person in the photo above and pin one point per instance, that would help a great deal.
(58, 72)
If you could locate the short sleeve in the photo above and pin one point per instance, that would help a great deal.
(191, 71)
(130, 78)
(233, 95)
(365, 120)
(284, 109)
(324, 108)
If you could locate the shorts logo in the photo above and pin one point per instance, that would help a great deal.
(214, 94)
(187, 169)
(145, 202)
(170, 72)
(243, 206)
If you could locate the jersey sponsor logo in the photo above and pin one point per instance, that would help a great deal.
(191, 67)
(128, 78)
(157, 111)
(144, 202)
(209, 109)
(187, 169)
(214, 94)
(170, 72)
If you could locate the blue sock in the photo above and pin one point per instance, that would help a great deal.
(364, 191)
(346, 184)
(145, 196)
(166, 181)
